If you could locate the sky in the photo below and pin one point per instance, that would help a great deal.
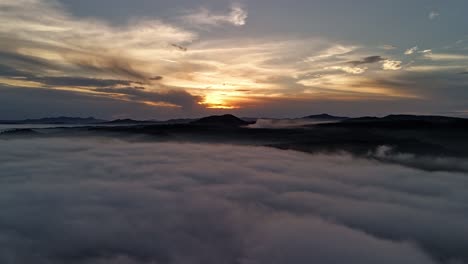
(151, 59)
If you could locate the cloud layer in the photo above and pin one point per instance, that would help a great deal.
(89, 201)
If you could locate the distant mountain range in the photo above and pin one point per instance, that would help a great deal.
(404, 121)
(230, 120)
(89, 121)
(406, 118)
(421, 136)
(127, 122)
(55, 120)
(326, 117)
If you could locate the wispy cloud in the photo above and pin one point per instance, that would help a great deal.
(388, 47)
(367, 60)
(411, 50)
(45, 31)
(348, 69)
(433, 15)
(434, 68)
(335, 50)
(446, 57)
(237, 16)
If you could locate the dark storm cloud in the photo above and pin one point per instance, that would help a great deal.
(21, 102)
(90, 63)
(14, 65)
(367, 60)
(144, 203)
(113, 65)
(79, 81)
(6, 71)
(177, 97)
(25, 61)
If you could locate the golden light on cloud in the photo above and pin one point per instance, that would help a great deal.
(161, 104)
(41, 53)
(351, 87)
(20, 82)
(214, 73)
(216, 100)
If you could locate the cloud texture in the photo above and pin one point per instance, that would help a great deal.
(90, 201)
(225, 57)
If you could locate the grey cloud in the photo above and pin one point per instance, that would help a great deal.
(113, 65)
(433, 15)
(10, 57)
(179, 47)
(190, 203)
(388, 47)
(85, 63)
(6, 71)
(24, 62)
(79, 81)
(177, 97)
(68, 44)
(96, 64)
(367, 60)
(92, 64)
(156, 78)
(22, 102)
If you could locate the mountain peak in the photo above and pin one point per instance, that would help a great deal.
(222, 120)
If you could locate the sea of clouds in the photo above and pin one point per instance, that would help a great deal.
(96, 201)
(287, 123)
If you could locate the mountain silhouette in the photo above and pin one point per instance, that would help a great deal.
(127, 122)
(406, 121)
(223, 120)
(325, 117)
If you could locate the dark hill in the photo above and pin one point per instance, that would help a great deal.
(224, 120)
(325, 117)
(406, 121)
(127, 122)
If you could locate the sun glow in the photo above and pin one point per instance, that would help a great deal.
(217, 101)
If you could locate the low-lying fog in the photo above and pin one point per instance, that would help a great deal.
(287, 123)
(34, 126)
(95, 201)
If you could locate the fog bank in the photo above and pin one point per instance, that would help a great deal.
(90, 201)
